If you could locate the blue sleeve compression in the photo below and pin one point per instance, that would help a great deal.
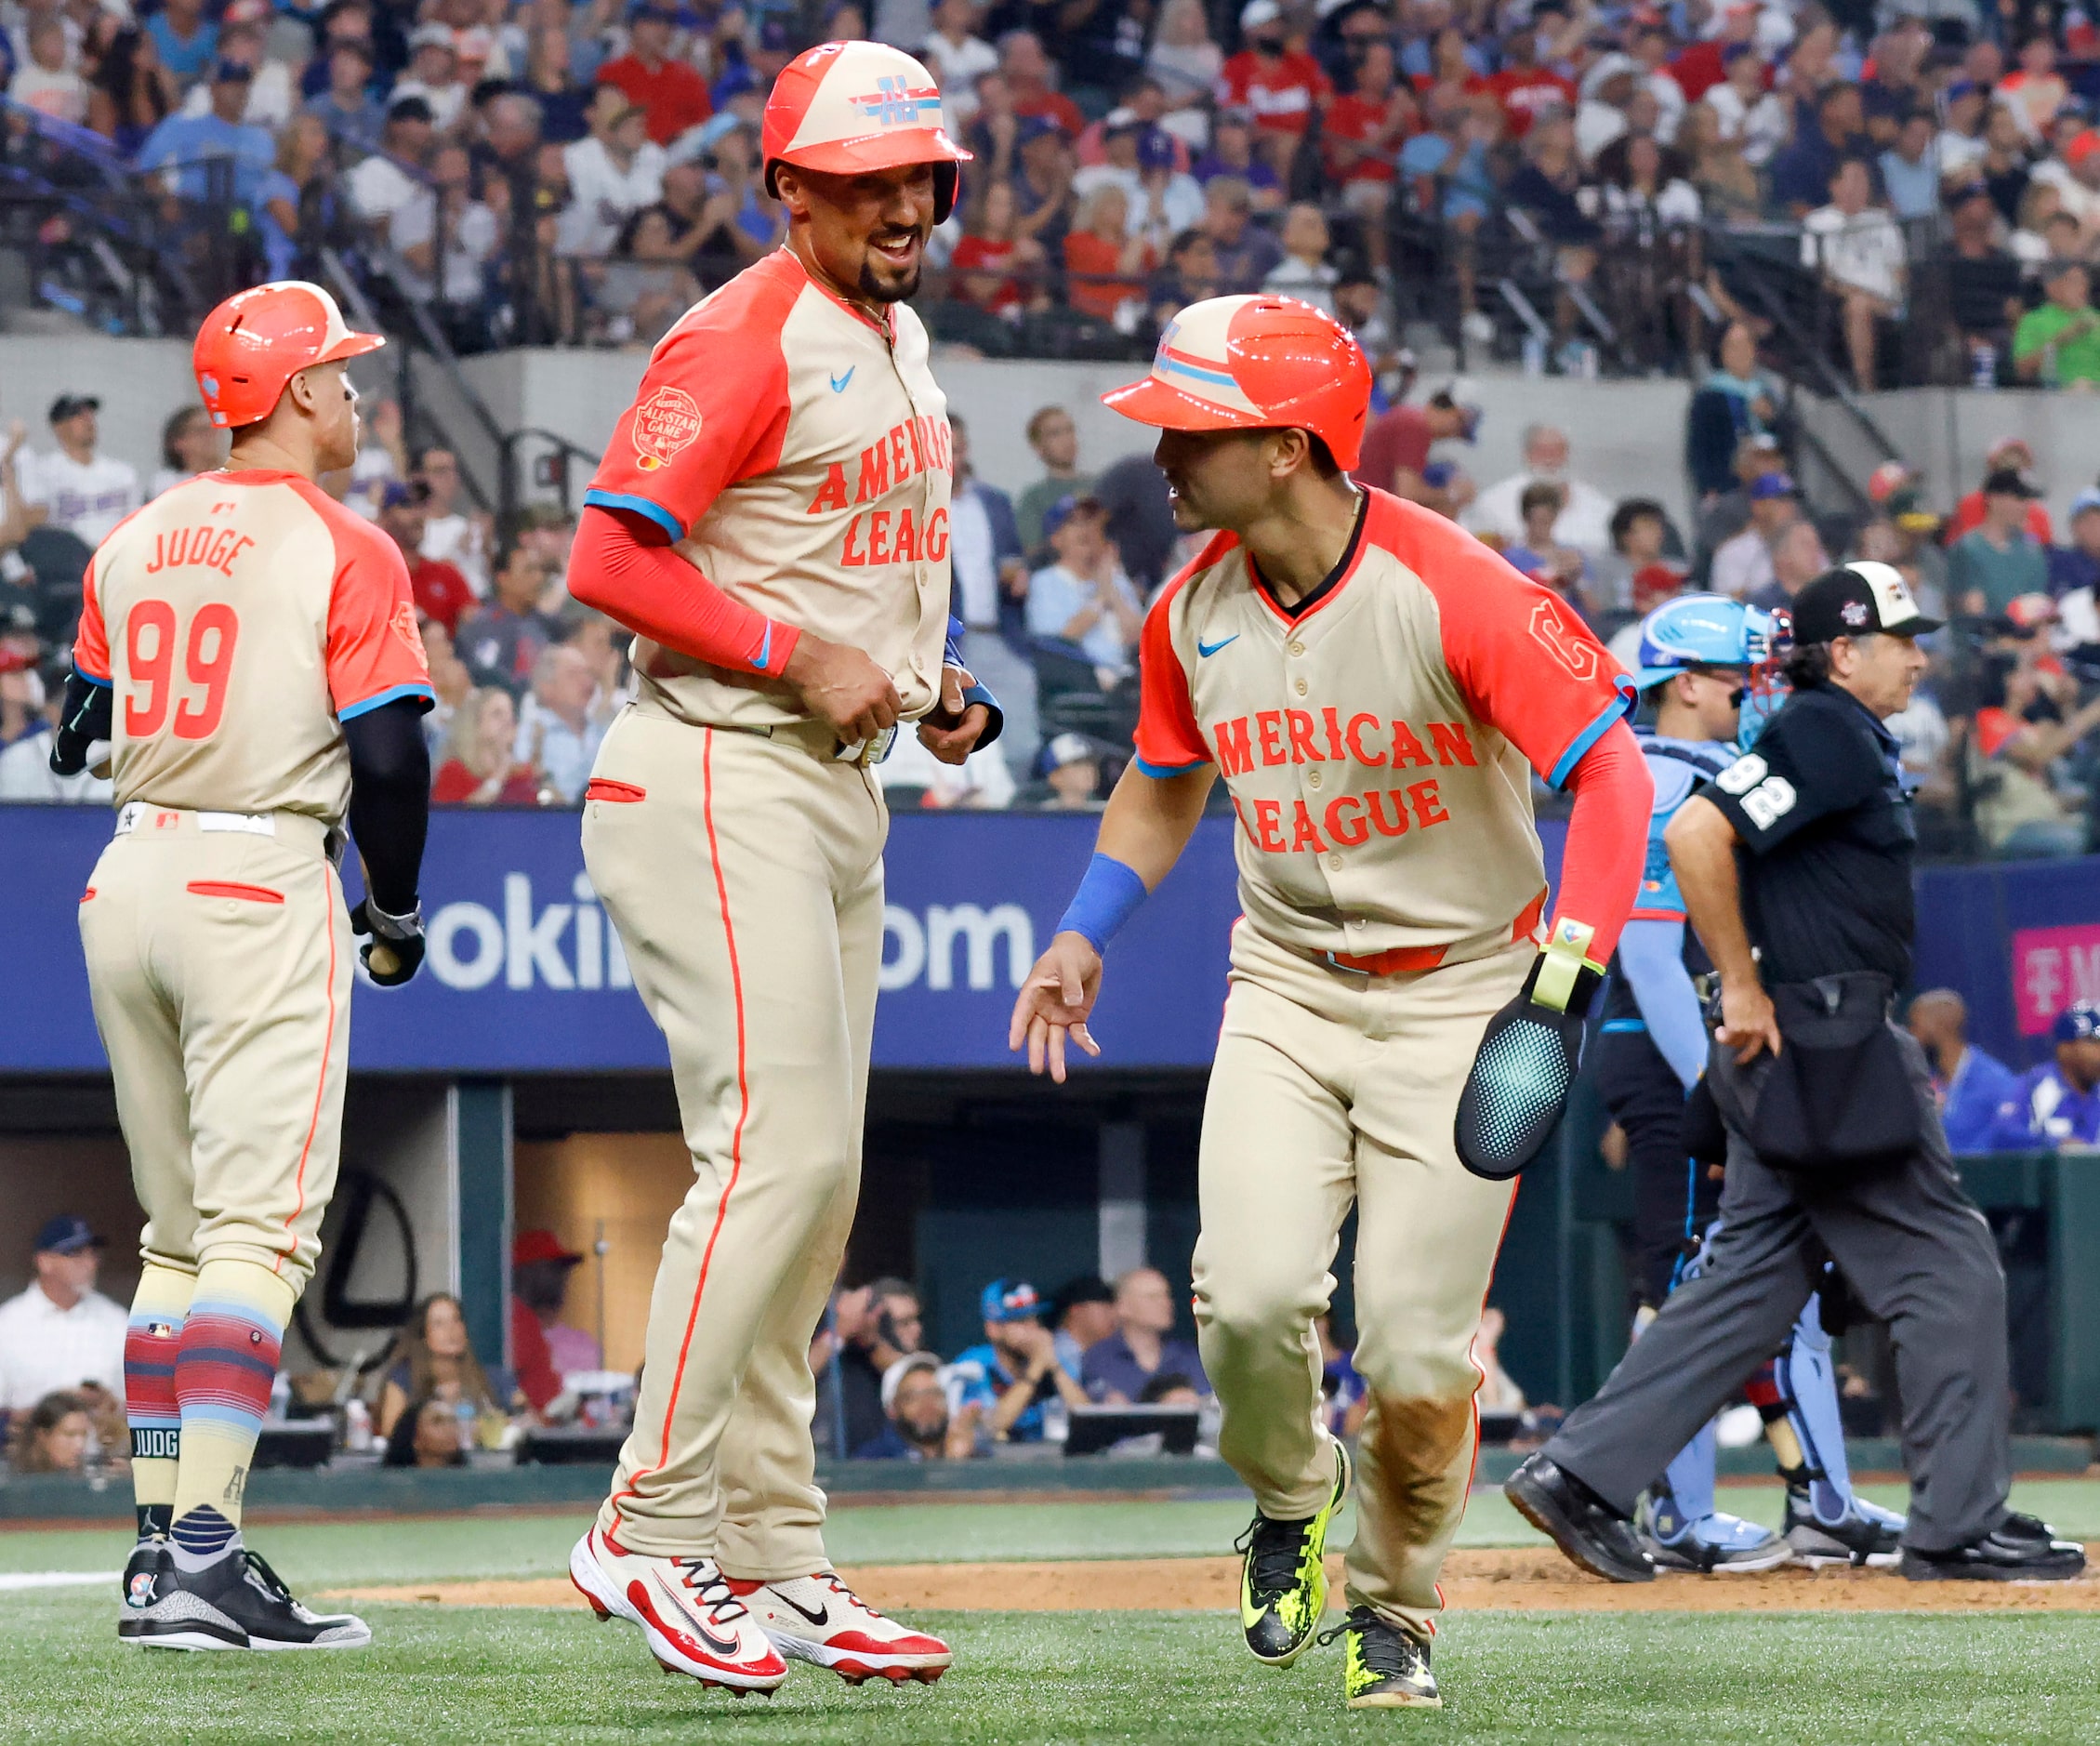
(1652, 955)
(1107, 897)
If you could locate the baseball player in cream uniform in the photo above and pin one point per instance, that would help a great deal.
(248, 650)
(1376, 689)
(772, 520)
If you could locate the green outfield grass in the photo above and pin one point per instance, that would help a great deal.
(530, 1676)
(428, 1548)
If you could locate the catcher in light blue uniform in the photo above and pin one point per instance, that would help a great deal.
(1697, 658)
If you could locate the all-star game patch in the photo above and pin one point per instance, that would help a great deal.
(664, 424)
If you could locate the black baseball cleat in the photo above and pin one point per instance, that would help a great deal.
(1866, 1534)
(2020, 1549)
(236, 1602)
(141, 1574)
(1581, 1524)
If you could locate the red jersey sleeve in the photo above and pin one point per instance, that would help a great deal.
(1169, 741)
(375, 650)
(712, 407)
(91, 642)
(1524, 663)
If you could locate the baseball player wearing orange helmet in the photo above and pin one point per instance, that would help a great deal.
(248, 652)
(772, 520)
(1376, 689)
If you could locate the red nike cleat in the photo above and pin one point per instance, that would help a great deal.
(693, 1624)
(818, 1619)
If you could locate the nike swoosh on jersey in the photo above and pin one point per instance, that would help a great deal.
(838, 382)
(1209, 649)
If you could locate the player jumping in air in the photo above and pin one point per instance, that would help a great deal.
(771, 519)
(248, 650)
(1376, 688)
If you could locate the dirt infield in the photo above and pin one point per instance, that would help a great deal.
(1473, 1581)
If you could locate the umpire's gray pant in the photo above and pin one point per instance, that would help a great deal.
(1917, 1255)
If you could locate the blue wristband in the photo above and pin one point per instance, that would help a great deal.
(1107, 897)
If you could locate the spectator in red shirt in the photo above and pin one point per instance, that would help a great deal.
(670, 93)
(442, 592)
(991, 251)
(1523, 88)
(1099, 248)
(1031, 79)
(483, 769)
(2007, 451)
(1363, 128)
(1703, 65)
(1277, 85)
(1396, 448)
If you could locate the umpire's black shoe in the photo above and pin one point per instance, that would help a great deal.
(1581, 1524)
(236, 1602)
(2020, 1549)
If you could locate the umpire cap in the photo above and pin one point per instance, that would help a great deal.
(1856, 600)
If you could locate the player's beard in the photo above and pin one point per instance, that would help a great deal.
(894, 290)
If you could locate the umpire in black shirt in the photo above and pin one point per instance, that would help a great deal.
(1795, 866)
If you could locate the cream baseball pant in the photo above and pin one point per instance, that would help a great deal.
(219, 960)
(745, 875)
(1329, 1088)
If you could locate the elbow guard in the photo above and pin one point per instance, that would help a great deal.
(84, 722)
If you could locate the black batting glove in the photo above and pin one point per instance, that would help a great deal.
(1527, 1062)
(396, 947)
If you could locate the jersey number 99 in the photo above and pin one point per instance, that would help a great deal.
(151, 635)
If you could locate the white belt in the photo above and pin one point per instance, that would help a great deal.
(140, 818)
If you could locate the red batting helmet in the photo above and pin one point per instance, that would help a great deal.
(1252, 364)
(842, 108)
(255, 341)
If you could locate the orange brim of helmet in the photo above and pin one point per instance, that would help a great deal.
(351, 346)
(1150, 401)
(877, 151)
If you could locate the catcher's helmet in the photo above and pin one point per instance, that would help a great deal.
(842, 108)
(1700, 630)
(1252, 364)
(255, 341)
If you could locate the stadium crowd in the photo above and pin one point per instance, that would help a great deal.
(534, 171)
(1052, 583)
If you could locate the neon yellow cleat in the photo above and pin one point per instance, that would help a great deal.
(1385, 1669)
(1283, 1585)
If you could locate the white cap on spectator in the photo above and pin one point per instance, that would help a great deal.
(894, 1378)
(432, 36)
(1256, 13)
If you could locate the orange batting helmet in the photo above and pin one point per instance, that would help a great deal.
(842, 108)
(255, 341)
(1252, 364)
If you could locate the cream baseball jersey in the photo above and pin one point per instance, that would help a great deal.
(241, 617)
(1378, 743)
(798, 452)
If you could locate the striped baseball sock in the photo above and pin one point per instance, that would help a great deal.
(150, 1346)
(230, 1340)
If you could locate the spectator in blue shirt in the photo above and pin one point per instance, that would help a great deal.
(1801, 174)
(2058, 1102)
(1010, 1376)
(1972, 1085)
(2077, 566)
(1910, 167)
(347, 108)
(189, 144)
(187, 39)
(1084, 605)
(1119, 1369)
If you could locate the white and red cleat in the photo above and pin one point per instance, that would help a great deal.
(694, 1623)
(818, 1619)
